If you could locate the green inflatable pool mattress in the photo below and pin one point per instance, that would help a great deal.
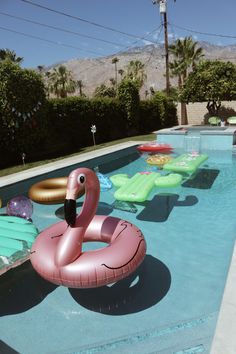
(185, 163)
(16, 238)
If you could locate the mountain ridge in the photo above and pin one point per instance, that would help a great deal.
(96, 71)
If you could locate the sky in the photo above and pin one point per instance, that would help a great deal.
(98, 28)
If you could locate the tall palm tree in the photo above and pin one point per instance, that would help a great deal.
(7, 54)
(80, 86)
(186, 55)
(115, 61)
(136, 72)
(61, 82)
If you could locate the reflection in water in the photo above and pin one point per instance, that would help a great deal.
(141, 290)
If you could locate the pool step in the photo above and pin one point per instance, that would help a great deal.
(190, 337)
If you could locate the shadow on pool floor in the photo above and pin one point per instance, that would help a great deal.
(6, 349)
(22, 289)
(141, 290)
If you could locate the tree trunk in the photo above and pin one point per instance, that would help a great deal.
(184, 114)
(183, 106)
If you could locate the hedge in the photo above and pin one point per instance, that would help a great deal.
(67, 124)
(22, 103)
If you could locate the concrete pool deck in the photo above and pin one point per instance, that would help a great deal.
(205, 129)
(68, 161)
(224, 341)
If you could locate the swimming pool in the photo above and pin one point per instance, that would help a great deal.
(170, 304)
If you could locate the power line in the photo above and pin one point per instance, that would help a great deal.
(47, 40)
(151, 54)
(79, 19)
(203, 33)
(130, 47)
(141, 38)
(59, 29)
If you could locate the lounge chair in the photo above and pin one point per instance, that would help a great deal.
(214, 120)
(231, 120)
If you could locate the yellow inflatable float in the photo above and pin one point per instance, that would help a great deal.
(158, 160)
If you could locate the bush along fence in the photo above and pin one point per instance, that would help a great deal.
(60, 126)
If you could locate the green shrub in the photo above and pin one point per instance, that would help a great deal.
(157, 113)
(22, 103)
(128, 94)
(63, 125)
(150, 119)
(70, 119)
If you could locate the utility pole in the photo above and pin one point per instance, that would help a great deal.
(163, 11)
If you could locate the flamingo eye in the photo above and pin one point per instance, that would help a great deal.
(81, 178)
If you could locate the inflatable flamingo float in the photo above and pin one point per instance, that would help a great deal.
(57, 252)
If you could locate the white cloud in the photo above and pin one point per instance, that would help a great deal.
(171, 35)
(146, 42)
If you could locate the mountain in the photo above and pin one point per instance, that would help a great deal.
(94, 72)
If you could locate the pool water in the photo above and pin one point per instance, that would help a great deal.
(171, 302)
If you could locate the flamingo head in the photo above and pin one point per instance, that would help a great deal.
(78, 180)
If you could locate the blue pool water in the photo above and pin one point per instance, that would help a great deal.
(169, 305)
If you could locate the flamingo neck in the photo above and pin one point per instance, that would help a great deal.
(88, 209)
(69, 247)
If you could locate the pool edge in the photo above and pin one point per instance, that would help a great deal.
(55, 165)
(224, 340)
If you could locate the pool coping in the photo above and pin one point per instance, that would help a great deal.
(224, 338)
(176, 130)
(56, 165)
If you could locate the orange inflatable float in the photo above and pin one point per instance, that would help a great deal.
(50, 191)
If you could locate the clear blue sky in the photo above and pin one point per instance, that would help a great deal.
(133, 17)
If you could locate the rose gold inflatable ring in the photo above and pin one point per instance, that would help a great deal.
(50, 191)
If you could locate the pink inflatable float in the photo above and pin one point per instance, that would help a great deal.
(57, 252)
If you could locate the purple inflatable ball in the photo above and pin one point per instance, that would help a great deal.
(20, 206)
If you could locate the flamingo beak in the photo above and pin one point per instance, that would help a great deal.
(70, 211)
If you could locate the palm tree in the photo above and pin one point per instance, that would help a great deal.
(41, 68)
(115, 61)
(7, 54)
(121, 72)
(104, 91)
(113, 82)
(186, 55)
(80, 86)
(61, 82)
(152, 91)
(136, 72)
(146, 93)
